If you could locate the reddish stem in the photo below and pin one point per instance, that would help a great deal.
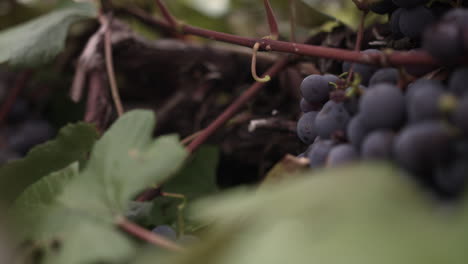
(167, 15)
(147, 236)
(20, 84)
(271, 20)
(359, 38)
(235, 106)
(395, 58)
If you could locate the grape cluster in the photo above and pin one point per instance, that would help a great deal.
(170, 234)
(421, 125)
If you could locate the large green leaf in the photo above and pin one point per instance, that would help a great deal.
(80, 209)
(37, 41)
(122, 163)
(354, 215)
(72, 143)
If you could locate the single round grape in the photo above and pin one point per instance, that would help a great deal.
(450, 181)
(19, 112)
(341, 154)
(409, 3)
(395, 23)
(444, 42)
(460, 115)
(414, 21)
(458, 81)
(29, 134)
(424, 103)
(422, 84)
(316, 88)
(382, 6)
(385, 75)
(382, 107)
(421, 146)
(319, 152)
(332, 118)
(307, 107)
(306, 130)
(365, 71)
(166, 232)
(356, 131)
(378, 145)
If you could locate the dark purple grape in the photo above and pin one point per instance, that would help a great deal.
(424, 103)
(19, 112)
(365, 71)
(341, 154)
(306, 130)
(422, 84)
(319, 152)
(421, 146)
(29, 134)
(378, 145)
(409, 3)
(385, 75)
(444, 42)
(450, 181)
(356, 131)
(460, 115)
(395, 23)
(307, 107)
(166, 232)
(331, 119)
(382, 6)
(351, 103)
(414, 21)
(7, 155)
(316, 88)
(382, 107)
(458, 81)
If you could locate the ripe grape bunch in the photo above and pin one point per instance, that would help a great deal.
(415, 117)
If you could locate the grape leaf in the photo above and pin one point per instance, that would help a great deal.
(354, 215)
(79, 209)
(72, 143)
(41, 39)
(122, 163)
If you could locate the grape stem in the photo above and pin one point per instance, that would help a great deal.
(106, 22)
(357, 47)
(253, 66)
(272, 22)
(395, 58)
(147, 235)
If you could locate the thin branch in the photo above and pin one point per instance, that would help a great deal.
(292, 19)
(167, 15)
(20, 84)
(235, 106)
(147, 236)
(110, 64)
(359, 38)
(395, 58)
(272, 22)
(188, 139)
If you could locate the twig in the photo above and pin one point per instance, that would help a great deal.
(235, 106)
(292, 19)
(110, 64)
(188, 139)
(167, 15)
(97, 105)
(357, 47)
(274, 32)
(395, 58)
(147, 236)
(20, 83)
